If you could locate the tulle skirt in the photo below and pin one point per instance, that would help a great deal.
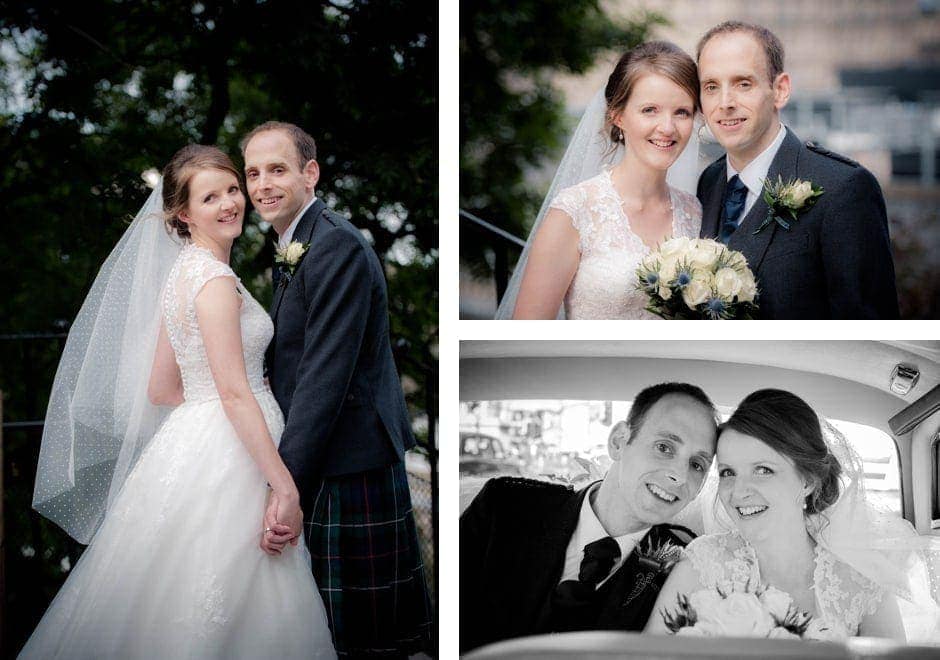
(175, 571)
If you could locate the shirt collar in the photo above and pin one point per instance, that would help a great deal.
(283, 240)
(755, 172)
(590, 528)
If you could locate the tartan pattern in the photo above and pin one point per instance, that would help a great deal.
(367, 564)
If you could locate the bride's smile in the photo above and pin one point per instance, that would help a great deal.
(656, 122)
(758, 486)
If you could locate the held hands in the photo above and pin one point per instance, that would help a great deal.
(283, 522)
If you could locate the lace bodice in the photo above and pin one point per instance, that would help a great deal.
(604, 286)
(194, 267)
(843, 595)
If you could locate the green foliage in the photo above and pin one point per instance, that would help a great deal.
(511, 117)
(94, 93)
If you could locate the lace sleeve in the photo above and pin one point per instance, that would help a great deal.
(705, 554)
(202, 272)
(571, 201)
(844, 594)
(193, 270)
(722, 560)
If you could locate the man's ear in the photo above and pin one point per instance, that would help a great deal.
(618, 439)
(311, 173)
(781, 90)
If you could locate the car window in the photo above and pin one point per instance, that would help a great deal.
(566, 441)
(880, 459)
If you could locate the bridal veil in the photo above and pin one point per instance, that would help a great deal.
(99, 418)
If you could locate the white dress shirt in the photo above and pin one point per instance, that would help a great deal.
(590, 529)
(755, 172)
(283, 240)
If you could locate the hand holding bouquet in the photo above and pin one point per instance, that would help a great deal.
(697, 279)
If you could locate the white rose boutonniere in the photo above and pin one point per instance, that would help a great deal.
(788, 199)
(288, 257)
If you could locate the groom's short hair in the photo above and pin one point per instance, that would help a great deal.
(305, 144)
(772, 46)
(649, 396)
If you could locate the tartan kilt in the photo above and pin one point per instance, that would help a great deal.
(367, 563)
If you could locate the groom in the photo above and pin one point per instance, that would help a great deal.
(537, 557)
(331, 369)
(834, 261)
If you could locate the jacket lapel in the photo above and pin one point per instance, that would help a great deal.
(548, 558)
(711, 202)
(633, 589)
(754, 246)
(302, 234)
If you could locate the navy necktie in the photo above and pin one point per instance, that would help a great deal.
(735, 196)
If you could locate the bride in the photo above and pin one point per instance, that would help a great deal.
(600, 219)
(170, 499)
(795, 517)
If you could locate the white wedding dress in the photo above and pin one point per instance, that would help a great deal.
(175, 571)
(604, 286)
(843, 595)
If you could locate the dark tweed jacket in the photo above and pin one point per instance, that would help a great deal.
(835, 260)
(513, 539)
(330, 363)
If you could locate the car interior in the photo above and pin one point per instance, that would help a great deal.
(891, 386)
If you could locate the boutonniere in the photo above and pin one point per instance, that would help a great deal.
(790, 198)
(653, 559)
(660, 556)
(290, 256)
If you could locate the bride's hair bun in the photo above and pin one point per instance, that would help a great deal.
(788, 425)
(180, 170)
(660, 57)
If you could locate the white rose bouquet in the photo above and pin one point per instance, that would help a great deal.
(697, 279)
(739, 612)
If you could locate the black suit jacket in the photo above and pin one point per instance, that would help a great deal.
(835, 260)
(330, 363)
(513, 539)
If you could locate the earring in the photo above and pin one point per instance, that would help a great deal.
(618, 134)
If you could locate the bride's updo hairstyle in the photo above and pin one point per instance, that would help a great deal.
(661, 57)
(176, 177)
(786, 424)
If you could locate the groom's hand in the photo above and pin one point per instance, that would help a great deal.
(275, 535)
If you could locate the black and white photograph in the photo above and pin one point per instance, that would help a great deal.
(668, 498)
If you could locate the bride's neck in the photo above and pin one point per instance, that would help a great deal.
(218, 250)
(639, 184)
(792, 558)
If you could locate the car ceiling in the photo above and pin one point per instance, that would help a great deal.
(865, 362)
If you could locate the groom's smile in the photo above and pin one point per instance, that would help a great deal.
(740, 100)
(661, 493)
(279, 185)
